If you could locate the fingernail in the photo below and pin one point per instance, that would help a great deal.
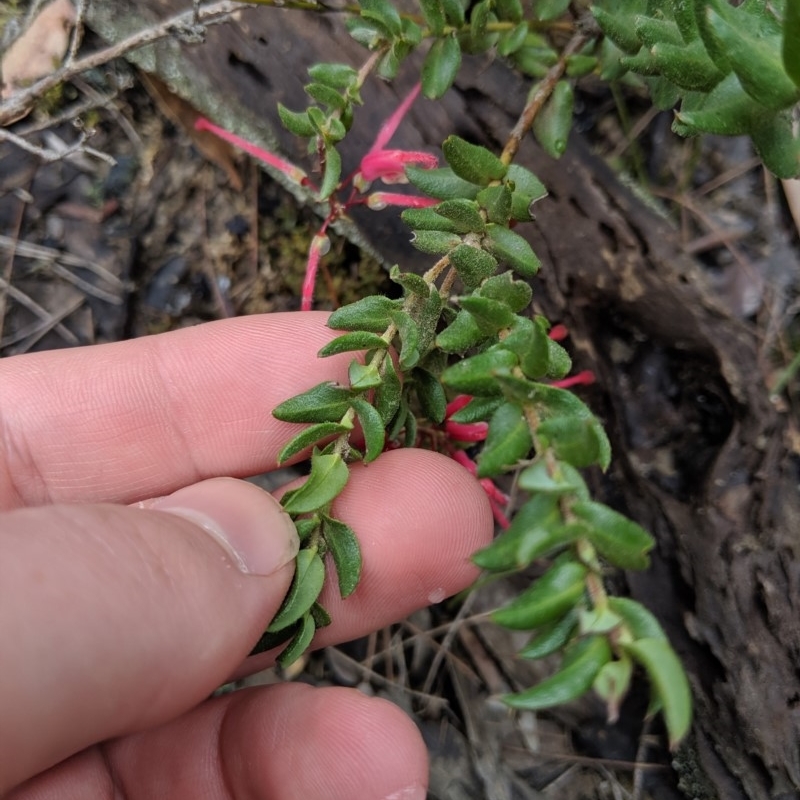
(247, 522)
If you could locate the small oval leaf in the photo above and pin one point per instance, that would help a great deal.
(581, 664)
(343, 545)
(472, 162)
(440, 67)
(552, 595)
(325, 402)
(306, 585)
(299, 642)
(326, 480)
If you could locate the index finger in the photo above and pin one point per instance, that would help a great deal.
(131, 420)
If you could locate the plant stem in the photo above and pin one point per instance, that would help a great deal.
(539, 97)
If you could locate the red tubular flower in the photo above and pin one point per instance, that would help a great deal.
(471, 432)
(377, 201)
(389, 165)
(581, 379)
(558, 333)
(320, 245)
(287, 168)
(456, 404)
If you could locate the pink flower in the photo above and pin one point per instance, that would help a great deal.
(389, 165)
(581, 379)
(287, 168)
(377, 201)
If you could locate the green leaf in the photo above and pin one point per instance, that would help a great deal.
(363, 376)
(687, 66)
(620, 29)
(477, 410)
(433, 12)
(387, 395)
(441, 183)
(550, 9)
(409, 340)
(299, 643)
(791, 40)
(306, 585)
(508, 441)
(509, 10)
(269, 641)
(641, 623)
(321, 617)
(372, 426)
(776, 141)
(296, 122)
(388, 65)
(326, 95)
(338, 76)
(461, 334)
(551, 637)
(410, 281)
(426, 219)
(472, 264)
(535, 531)
(728, 110)
(471, 162)
(513, 249)
(512, 40)
(757, 63)
(476, 375)
(440, 67)
(371, 313)
(383, 12)
(529, 341)
(325, 402)
(306, 526)
(491, 315)
(558, 361)
(343, 545)
(549, 401)
(612, 683)
(309, 436)
(464, 214)
(552, 126)
(430, 394)
(328, 477)
(652, 31)
(357, 340)
(619, 540)
(669, 682)
(435, 242)
(581, 664)
(579, 66)
(565, 479)
(551, 596)
(333, 171)
(478, 19)
(527, 190)
(454, 12)
(515, 294)
(367, 32)
(496, 202)
(576, 441)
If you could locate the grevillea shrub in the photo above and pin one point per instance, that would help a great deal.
(478, 371)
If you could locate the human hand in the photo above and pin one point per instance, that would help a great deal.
(117, 620)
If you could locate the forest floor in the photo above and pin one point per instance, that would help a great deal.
(152, 236)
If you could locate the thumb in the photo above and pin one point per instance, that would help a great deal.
(115, 619)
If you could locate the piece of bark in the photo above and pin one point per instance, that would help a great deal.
(700, 457)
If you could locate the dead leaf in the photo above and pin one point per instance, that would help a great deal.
(184, 115)
(39, 50)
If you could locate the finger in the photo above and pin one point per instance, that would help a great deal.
(418, 516)
(126, 421)
(114, 619)
(287, 742)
